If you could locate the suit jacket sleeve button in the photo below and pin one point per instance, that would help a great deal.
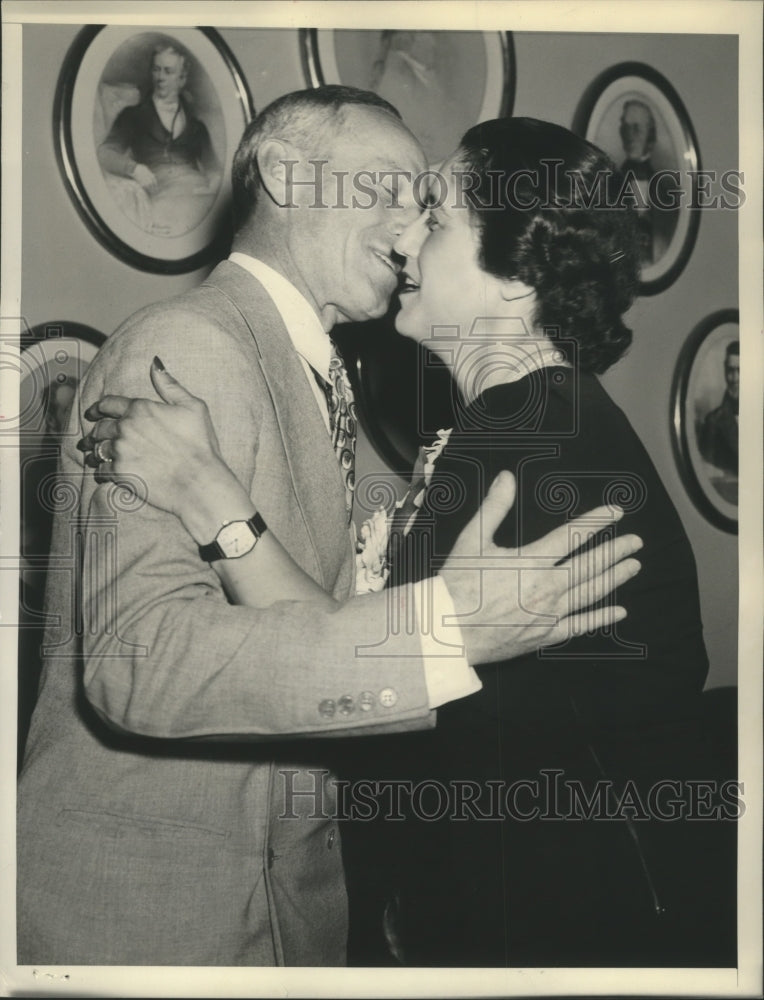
(330, 839)
(327, 707)
(388, 697)
(366, 701)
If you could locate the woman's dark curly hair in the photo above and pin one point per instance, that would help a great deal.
(546, 204)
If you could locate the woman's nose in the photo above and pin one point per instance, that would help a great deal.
(410, 241)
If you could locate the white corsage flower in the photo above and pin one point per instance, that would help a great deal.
(372, 569)
(372, 565)
(432, 453)
(422, 474)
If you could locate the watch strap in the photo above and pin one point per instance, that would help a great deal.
(212, 550)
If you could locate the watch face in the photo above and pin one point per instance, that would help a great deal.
(236, 539)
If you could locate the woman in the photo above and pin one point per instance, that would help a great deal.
(528, 288)
(519, 285)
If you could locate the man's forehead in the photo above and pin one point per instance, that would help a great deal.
(377, 137)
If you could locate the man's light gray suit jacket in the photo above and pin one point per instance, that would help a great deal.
(170, 723)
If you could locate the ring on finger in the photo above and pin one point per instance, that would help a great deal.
(98, 451)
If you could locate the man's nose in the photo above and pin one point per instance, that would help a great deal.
(410, 241)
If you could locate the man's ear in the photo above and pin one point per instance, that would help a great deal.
(276, 163)
(513, 290)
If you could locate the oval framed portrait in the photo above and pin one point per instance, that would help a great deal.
(442, 82)
(633, 113)
(704, 416)
(146, 123)
(54, 358)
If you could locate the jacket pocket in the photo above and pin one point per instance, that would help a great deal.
(118, 825)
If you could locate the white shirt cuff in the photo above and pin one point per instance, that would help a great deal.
(447, 673)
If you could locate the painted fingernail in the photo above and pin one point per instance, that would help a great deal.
(157, 363)
(89, 413)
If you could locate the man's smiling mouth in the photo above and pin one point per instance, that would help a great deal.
(388, 262)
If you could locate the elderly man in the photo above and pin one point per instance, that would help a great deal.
(656, 197)
(718, 439)
(158, 158)
(172, 809)
(149, 139)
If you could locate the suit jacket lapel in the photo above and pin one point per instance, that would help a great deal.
(309, 453)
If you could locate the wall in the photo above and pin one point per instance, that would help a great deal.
(552, 72)
(68, 276)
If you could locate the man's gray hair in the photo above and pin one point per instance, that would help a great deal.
(307, 119)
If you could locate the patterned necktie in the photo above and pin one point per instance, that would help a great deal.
(342, 421)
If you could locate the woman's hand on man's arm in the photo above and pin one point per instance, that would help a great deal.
(508, 602)
(170, 450)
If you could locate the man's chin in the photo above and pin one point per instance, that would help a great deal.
(379, 310)
(362, 314)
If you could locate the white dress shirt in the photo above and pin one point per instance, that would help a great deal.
(448, 675)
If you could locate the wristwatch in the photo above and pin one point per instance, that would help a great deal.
(235, 539)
